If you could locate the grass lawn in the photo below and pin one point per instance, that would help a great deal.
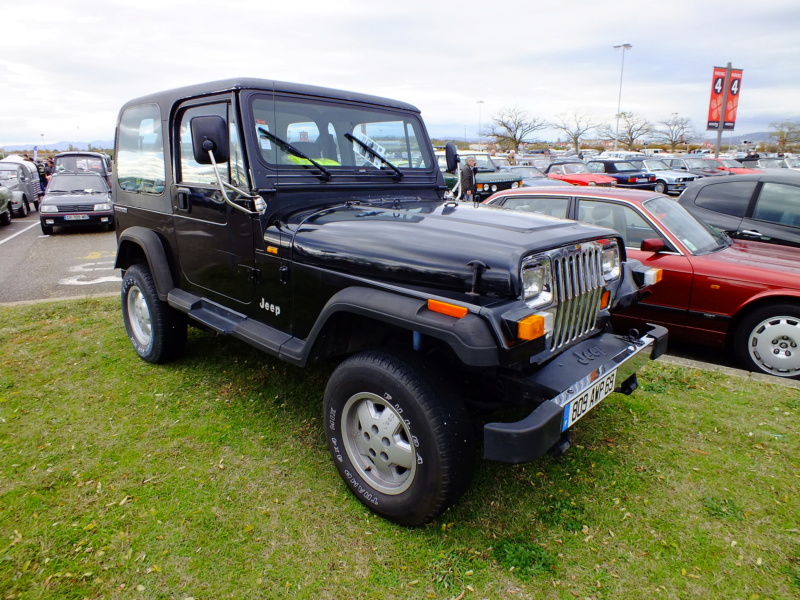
(209, 478)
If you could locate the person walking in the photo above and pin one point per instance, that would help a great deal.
(467, 178)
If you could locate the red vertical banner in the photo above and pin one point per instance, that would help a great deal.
(724, 116)
(734, 86)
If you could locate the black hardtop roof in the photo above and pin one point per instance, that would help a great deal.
(168, 98)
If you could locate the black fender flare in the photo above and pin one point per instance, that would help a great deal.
(153, 249)
(470, 337)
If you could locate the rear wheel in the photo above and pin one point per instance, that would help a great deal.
(401, 442)
(768, 340)
(157, 331)
(22, 211)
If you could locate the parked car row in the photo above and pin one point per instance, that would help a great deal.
(723, 293)
(78, 192)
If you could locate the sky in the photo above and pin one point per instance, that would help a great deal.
(67, 66)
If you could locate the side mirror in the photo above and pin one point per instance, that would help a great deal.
(451, 157)
(210, 133)
(653, 245)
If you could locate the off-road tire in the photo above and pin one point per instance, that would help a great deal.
(401, 441)
(157, 331)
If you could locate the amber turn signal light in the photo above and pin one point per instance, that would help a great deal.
(531, 327)
(445, 308)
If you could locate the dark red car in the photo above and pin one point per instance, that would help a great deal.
(715, 291)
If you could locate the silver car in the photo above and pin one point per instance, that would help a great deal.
(23, 183)
(667, 180)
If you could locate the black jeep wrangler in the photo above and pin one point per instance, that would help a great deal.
(314, 224)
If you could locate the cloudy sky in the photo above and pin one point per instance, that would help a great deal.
(67, 66)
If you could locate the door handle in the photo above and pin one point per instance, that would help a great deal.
(182, 198)
(751, 232)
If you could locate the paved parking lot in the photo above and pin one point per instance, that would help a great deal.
(75, 263)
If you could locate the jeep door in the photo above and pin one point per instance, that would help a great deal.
(214, 240)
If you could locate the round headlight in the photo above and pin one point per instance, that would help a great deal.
(494, 188)
(515, 185)
(592, 183)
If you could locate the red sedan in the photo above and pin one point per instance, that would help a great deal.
(717, 292)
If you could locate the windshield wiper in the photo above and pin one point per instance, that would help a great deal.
(352, 138)
(326, 175)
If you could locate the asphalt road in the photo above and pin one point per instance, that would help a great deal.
(70, 263)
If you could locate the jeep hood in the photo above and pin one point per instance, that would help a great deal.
(431, 246)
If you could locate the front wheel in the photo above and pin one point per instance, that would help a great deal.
(661, 187)
(768, 340)
(157, 331)
(400, 440)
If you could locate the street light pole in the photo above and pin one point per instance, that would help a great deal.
(480, 142)
(619, 99)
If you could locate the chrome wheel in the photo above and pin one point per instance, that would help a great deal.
(140, 321)
(774, 345)
(378, 443)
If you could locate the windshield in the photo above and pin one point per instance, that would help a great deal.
(730, 163)
(89, 184)
(527, 172)
(8, 173)
(575, 168)
(656, 165)
(338, 135)
(698, 237)
(78, 163)
(770, 163)
(700, 163)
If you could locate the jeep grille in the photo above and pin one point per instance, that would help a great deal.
(578, 282)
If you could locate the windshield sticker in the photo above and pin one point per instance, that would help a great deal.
(689, 245)
(262, 139)
(365, 154)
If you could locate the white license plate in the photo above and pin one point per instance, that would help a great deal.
(641, 180)
(76, 217)
(588, 399)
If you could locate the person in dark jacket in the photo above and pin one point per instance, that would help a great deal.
(467, 176)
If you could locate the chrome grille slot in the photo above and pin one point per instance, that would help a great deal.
(578, 283)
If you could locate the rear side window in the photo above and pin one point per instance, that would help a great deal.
(778, 203)
(140, 151)
(728, 198)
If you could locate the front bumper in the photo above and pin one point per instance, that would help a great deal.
(566, 378)
(79, 219)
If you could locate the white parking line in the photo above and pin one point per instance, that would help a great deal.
(11, 237)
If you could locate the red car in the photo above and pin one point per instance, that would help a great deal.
(717, 292)
(577, 173)
(733, 166)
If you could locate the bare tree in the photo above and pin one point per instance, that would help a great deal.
(512, 125)
(631, 128)
(676, 130)
(575, 126)
(786, 133)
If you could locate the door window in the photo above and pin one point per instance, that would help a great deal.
(729, 198)
(778, 203)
